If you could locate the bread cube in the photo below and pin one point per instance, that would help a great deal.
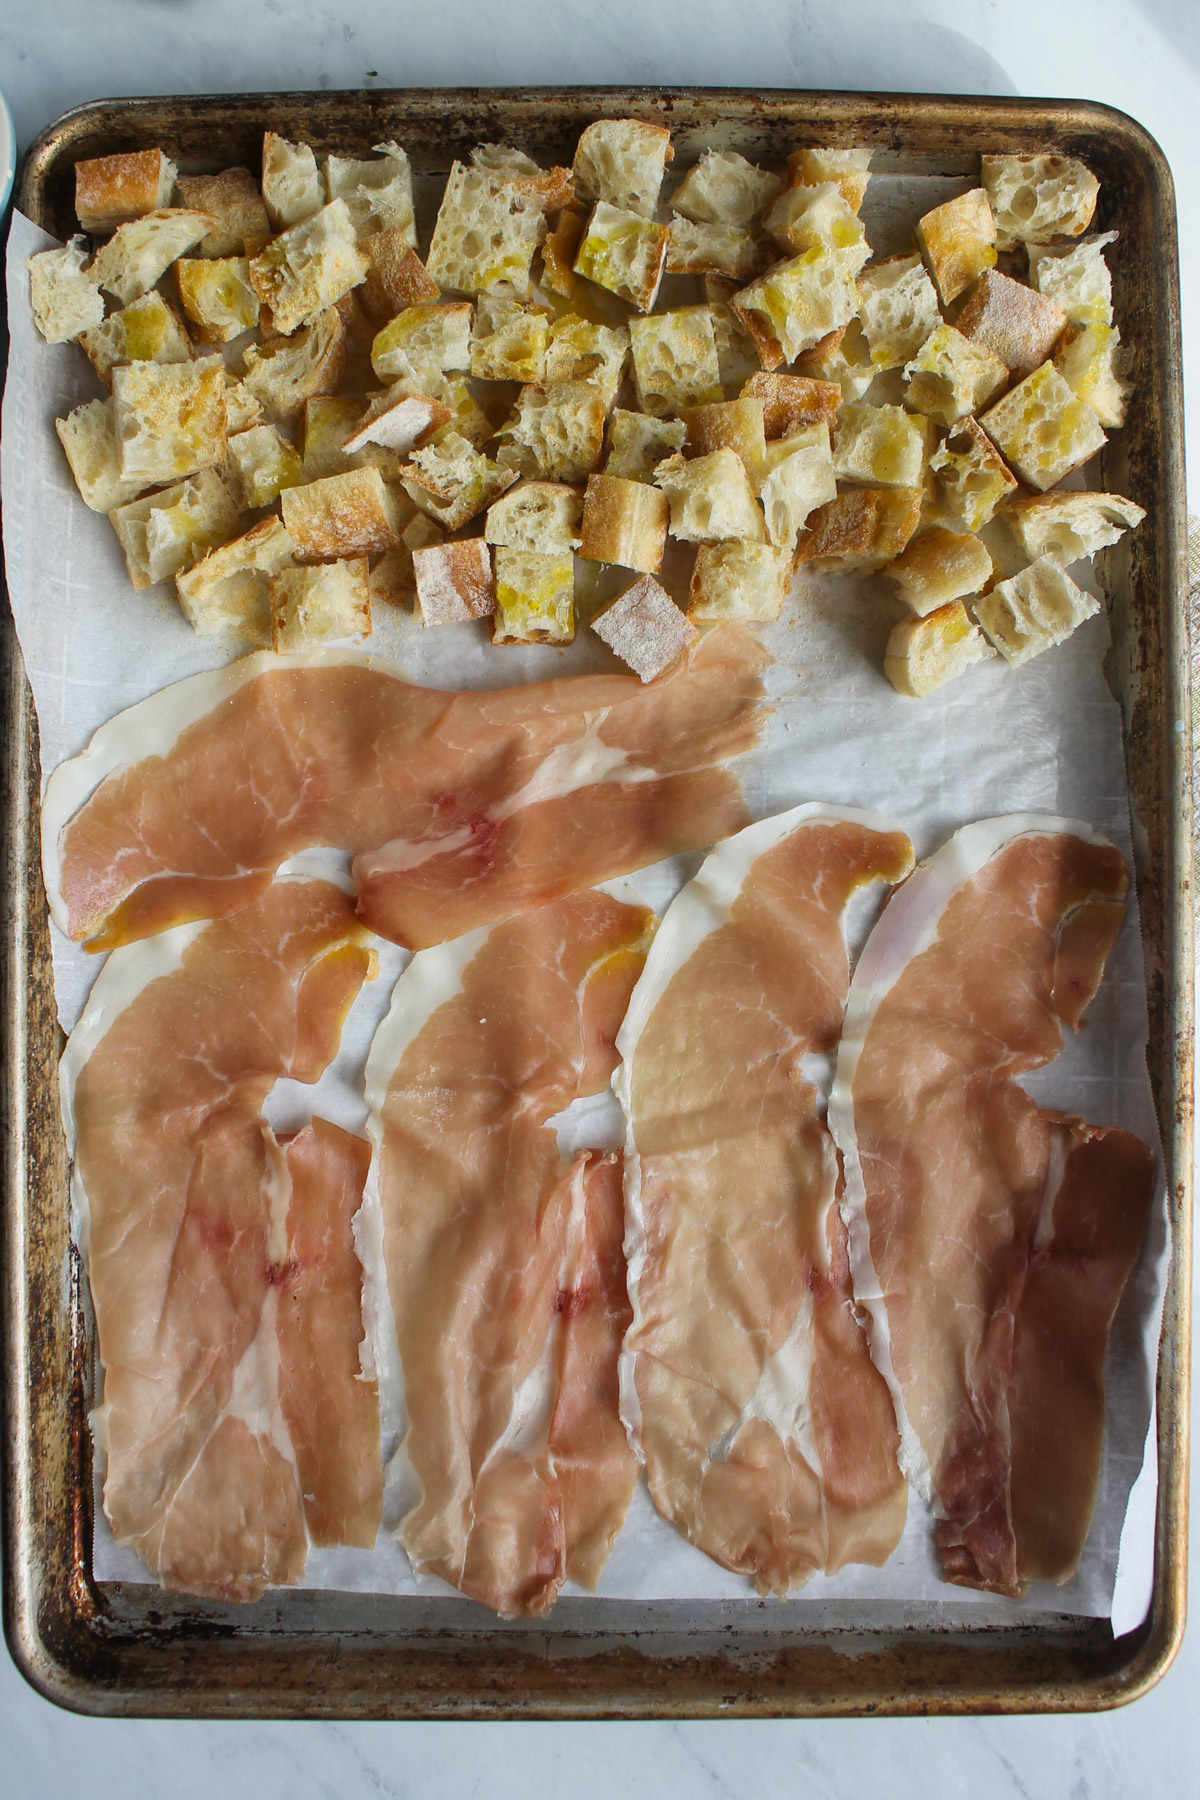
(1043, 429)
(554, 188)
(724, 189)
(378, 193)
(739, 581)
(737, 358)
(539, 517)
(327, 603)
(109, 190)
(842, 357)
(287, 372)
(638, 442)
(711, 499)
(172, 529)
(508, 341)
(169, 418)
(227, 592)
(140, 252)
(264, 464)
(309, 267)
(1068, 527)
(391, 577)
(328, 421)
(454, 582)
(147, 330)
(556, 432)
(1037, 609)
(291, 185)
(958, 242)
(925, 653)
(1091, 362)
(560, 247)
(1038, 198)
(645, 628)
(938, 567)
(733, 424)
(1076, 278)
(233, 200)
(88, 436)
(621, 162)
(396, 277)
(65, 301)
(951, 377)
(799, 479)
(878, 446)
(535, 597)
(711, 250)
(578, 350)
(452, 481)
(394, 423)
(972, 479)
(847, 169)
(860, 530)
(430, 336)
(341, 516)
(217, 296)
(624, 253)
(1013, 322)
(805, 216)
(486, 233)
(795, 304)
(242, 408)
(675, 360)
(624, 522)
(792, 403)
(899, 309)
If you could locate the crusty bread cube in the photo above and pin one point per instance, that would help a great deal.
(173, 528)
(535, 597)
(88, 436)
(1068, 527)
(242, 408)
(328, 421)
(675, 360)
(1092, 363)
(878, 446)
(972, 478)
(112, 189)
(264, 464)
(508, 340)
(341, 515)
(724, 189)
(805, 216)
(645, 628)
(1076, 278)
(147, 330)
(391, 576)
(65, 301)
(285, 373)
(217, 296)
(233, 200)
(140, 252)
(1012, 321)
(622, 161)
(624, 253)
(694, 249)
(711, 499)
(795, 304)
(733, 424)
(624, 522)
(452, 481)
(950, 377)
(578, 350)
(454, 582)
(792, 403)
(486, 233)
(227, 592)
(560, 247)
(309, 267)
(1043, 429)
(737, 358)
(799, 478)
(638, 442)
(555, 187)
(396, 277)
(938, 567)
(1037, 609)
(432, 336)
(958, 242)
(327, 603)
(842, 357)
(291, 185)
(540, 517)
(847, 169)
(860, 530)
(1038, 198)
(739, 581)
(898, 305)
(377, 192)
(925, 653)
(556, 432)
(169, 418)
(396, 422)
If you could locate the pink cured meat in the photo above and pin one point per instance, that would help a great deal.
(227, 1292)
(991, 1237)
(504, 1272)
(459, 807)
(768, 1434)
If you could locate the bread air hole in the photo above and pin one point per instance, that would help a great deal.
(1024, 203)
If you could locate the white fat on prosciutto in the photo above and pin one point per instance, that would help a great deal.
(505, 1271)
(990, 1237)
(768, 1435)
(236, 1424)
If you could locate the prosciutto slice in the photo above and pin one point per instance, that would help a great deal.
(460, 807)
(991, 1237)
(768, 1434)
(236, 1422)
(505, 1272)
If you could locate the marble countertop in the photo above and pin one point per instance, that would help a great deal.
(1142, 56)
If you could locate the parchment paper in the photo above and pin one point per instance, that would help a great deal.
(1043, 739)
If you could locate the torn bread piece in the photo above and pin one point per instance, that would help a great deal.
(242, 408)
(65, 301)
(675, 360)
(711, 499)
(622, 162)
(308, 267)
(396, 277)
(140, 252)
(217, 296)
(1091, 361)
(233, 200)
(454, 582)
(736, 425)
(291, 183)
(486, 233)
(169, 418)
(579, 350)
(89, 440)
(638, 442)
(644, 627)
(285, 373)
(843, 359)
(556, 432)
(951, 377)
(797, 303)
(623, 253)
(958, 242)
(147, 330)
(724, 189)
(972, 477)
(938, 567)
(110, 190)
(879, 446)
(397, 421)
(792, 403)
(803, 217)
(329, 420)
(429, 337)
(860, 530)
(327, 603)
(737, 358)
(925, 653)
(377, 191)
(695, 249)
(1043, 429)
(227, 592)
(173, 528)
(535, 597)
(392, 578)
(508, 340)
(624, 522)
(1012, 321)
(799, 478)
(452, 481)
(341, 516)
(739, 581)
(554, 187)
(1068, 527)
(1037, 609)
(1036, 199)
(898, 306)
(263, 463)
(849, 170)
(1076, 277)
(539, 517)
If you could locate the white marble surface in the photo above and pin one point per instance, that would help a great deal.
(1142, 56)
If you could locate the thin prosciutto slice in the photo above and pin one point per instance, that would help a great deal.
(991, 1238)
(459, 807)
(236, 1422)
(505, 1272)
(768, 1434)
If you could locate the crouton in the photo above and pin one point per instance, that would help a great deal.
(578, 350)
(242, 408)
(878, 446)
(429, 336)
(396, 422)
(452, 481)
(899, 309)
(644, 627)
(938, 567)
(1012, 321)
(227, 592)
(795, 304)
(847, 169)
(291, 185)
(860, 530)
(264, 464)
(556, 432)
(711, 499)
(328, 421)
(233, 200)
(327, 603)
(958, 242)
(454, 582)
(88, 437)
(169, 418)
(924, 653)
(396, 277)
(842, 357)
(624, 253)
(739, 581)
(621, 162)
(1043, 429)
(147, 330)
(951, 377)
(624, 522)
(737, 358)
(140, 252)
(1068, 527)
(799, 478)
(733, 424)
(724, 189)
(638, 442)
(711, 250)
(65, 301)
(560, 247)
(972, 479)
(285, 373)
(508, 341)
(378, 194)
(554, 188)
(791, 403)
(1038, 198)
(535, 597)
(174, 528)
(540, 517)
(1092, 363)
(486, 233)
(341, 516)
(675, 360)
(217, 296)
(1076, 278)
(109, 190)
(803, 217)
(1037, 609)
(309, 267)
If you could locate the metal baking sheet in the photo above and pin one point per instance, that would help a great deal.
(116, 1648)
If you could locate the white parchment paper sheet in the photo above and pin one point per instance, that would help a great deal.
(1046, 739)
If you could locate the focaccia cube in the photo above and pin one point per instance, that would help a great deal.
(233, 200)
(1076, 278)
(675, 360)
(847, 169)
(169, 418)
(795, 304)
(264, 464)
(217, 296)
(1038, 198)
(535, 597)
(1068, 527)
(556, 432)
(841, 359)
(972, 478)
(109, 190)
(938, 567)
(898, 305)
(724, 189)
(486, 233)
(396, 277)
(65, 301)
(287, 372)
(622, 161)
(792, 403)
(539, 517)
(1043, 429)
(878, 446)
(799, 478)
(958, 241)
(327, 603)
(579, 350)
(624, 522)
(623, 253)
(1012, 321)
(341, 516)
(645, 628)
(88, 437)
(291, 185)
(1091, 362)
(308, 267)
(147, 330)
(739, 581)
(694, 249)
(638, 442)
(454, 582)
(429, 337)
(805, 216)
(924, 653)
(1037, 609)
(378, 193)
(452, 481)
(140, 252)
(729, 424)
(508, 340)
(227, 592)
(860, 530)
(951, 377)
(711, 499)
(172, 529)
